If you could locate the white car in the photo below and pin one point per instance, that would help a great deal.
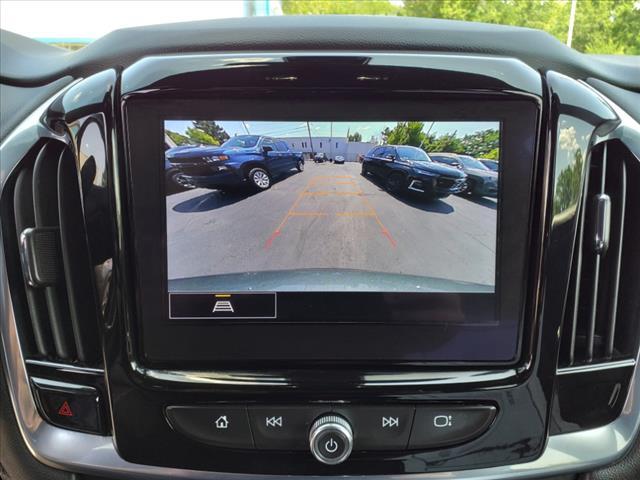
(338, 159)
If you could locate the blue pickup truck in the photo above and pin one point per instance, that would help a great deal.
(252, 160)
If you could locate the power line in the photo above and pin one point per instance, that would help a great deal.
(275, 133)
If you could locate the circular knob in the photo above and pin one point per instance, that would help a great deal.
(331, 439)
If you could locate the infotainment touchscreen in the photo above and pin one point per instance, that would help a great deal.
(261, 211)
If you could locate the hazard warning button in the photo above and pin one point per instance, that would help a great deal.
(71, 406)
(65, 410)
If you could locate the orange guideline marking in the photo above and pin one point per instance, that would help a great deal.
(323, 193)
(384, 230)
(305, 192)
(308, 214)
(291, 211)
(356, 214)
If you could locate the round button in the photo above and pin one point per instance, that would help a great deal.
(331, 439)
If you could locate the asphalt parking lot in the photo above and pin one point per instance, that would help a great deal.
(329, 216)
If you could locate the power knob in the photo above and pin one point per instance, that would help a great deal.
(331, 439)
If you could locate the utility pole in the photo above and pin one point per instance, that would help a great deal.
(245, 127)
(331, 140)
(427, 134)
(310, 141)
(572, 21)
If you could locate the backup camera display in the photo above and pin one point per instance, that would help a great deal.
(254, 208)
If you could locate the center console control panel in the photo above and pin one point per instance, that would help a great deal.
(376, 378)
(332, 431)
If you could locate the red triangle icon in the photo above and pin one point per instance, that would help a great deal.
(65, 410)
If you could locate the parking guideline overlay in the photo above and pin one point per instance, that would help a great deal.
(335, 180)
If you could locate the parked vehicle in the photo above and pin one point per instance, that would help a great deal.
(409, 169)
(338, 159)
(320, 157)
(173, 179)
(450, 159)
(481, 181)
(492, 165)
(252, 160)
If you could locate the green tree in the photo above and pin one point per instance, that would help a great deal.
(549, 15)
(212, 129)
(444, 143)
(384, 134)
(199, 137)
(355, 137)
(479, 144)
(569, 185)
(601, 26)
(406, 133)
(178, 138)
(492, 154)
(339, 7)
(607, 26)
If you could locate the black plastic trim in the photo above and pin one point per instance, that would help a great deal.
(26, 62)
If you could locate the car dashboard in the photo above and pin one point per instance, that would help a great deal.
(278, 303)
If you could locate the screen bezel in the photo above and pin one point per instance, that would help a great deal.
(165, 343)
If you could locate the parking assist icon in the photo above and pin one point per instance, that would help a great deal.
(223, 306)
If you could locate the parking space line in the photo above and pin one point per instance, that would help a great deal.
(289, 214)
(306, 193)
(384, 230)
(308, 214)
(332, 177)
(356, 214)
(321, 193)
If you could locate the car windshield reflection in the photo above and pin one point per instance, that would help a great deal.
(470, 162)
(242, 141)
(413, 154)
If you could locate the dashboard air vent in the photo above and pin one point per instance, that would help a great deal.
(598, 325)
(54, 255)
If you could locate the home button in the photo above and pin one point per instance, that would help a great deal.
(220, 425)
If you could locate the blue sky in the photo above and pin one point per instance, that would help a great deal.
(325, 129)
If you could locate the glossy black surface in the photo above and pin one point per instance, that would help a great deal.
(589, 399)
(283, 427)
(520, 426)
(192, 73)
(70, 406)
(138, 397)
(205, 344)
(225, 425)
(379, 427)
(68, 121)
(440, 426)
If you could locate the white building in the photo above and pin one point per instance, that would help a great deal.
(356, 149)
(331, 146)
